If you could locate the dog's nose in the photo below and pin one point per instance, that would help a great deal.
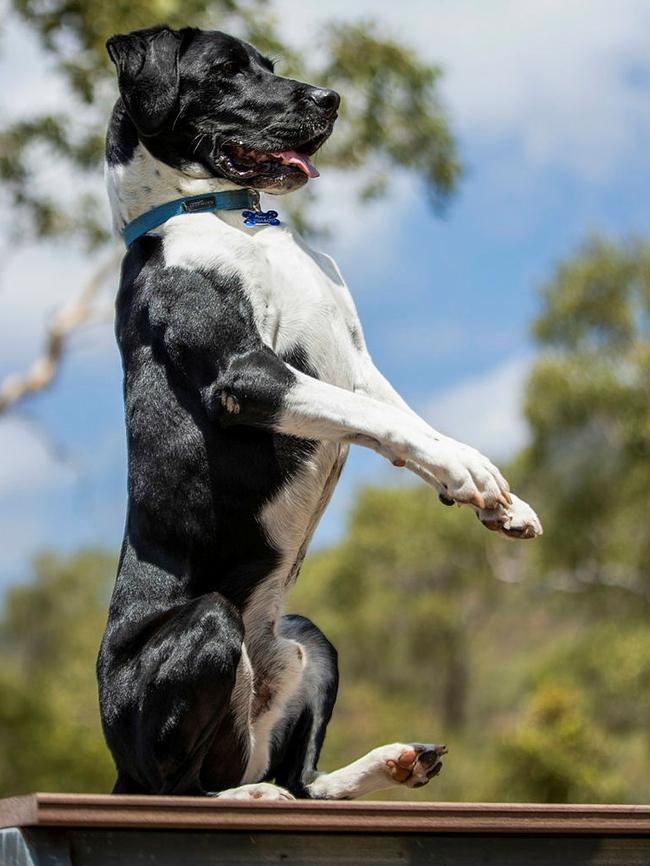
(327, 100)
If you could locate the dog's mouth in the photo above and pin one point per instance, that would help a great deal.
(247, 161)
(243, 162)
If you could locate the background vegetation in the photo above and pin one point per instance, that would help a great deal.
(532, 661)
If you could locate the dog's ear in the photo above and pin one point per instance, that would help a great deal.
(147, 72)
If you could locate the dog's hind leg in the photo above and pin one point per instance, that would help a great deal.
(166, 704)
(410, 764)
(297, 738)
(295, 687)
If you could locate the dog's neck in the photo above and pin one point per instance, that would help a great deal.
(145, 182)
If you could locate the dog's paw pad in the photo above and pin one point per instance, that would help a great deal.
(415, 764)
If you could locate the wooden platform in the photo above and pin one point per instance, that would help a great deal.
(66, 829)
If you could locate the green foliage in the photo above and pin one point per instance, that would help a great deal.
(534, 703)
(588, 405)
(557, 754)
(611, 667)
(50, 736)
(391, 112)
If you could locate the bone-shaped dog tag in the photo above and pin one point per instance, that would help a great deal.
(260, 218)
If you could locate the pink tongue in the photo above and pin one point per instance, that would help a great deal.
(292, 157)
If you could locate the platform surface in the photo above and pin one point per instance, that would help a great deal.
(108, 830)
(107, 810)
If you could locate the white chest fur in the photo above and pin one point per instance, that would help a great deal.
(297, 295)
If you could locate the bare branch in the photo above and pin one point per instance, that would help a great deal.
(43, 371)
(56, 450)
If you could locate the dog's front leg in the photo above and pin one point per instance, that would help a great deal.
(261, 389)
(518, 520)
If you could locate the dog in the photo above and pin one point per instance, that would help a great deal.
(246, 379)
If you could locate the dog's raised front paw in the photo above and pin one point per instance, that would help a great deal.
(518, 520)
(464, 475)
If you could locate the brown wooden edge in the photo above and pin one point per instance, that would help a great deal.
(184, 813)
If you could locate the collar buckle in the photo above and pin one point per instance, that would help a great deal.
(255, 196)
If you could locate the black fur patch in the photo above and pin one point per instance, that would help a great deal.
(299, 738)
(121, 137)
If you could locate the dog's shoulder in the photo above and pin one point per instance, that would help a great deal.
(191, 309)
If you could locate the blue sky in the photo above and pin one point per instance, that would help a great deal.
(551, 105)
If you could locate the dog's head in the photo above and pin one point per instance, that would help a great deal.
(210, 105)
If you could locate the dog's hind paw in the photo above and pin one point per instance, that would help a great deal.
(414, 764)
(256, 791)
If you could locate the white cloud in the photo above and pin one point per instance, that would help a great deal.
(485, 411)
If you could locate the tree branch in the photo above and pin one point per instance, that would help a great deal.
(43, 371)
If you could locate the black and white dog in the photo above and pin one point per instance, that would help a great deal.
(246, 379)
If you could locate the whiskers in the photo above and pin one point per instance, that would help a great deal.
(196, 142)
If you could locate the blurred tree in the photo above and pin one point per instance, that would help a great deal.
(558, 753)
(50, 733)
(391, 120)
(588, 406)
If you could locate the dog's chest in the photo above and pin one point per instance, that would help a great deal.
(308, 306)
(299, 300)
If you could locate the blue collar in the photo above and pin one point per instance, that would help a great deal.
(232, 199)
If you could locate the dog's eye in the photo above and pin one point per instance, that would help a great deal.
(230, 67)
